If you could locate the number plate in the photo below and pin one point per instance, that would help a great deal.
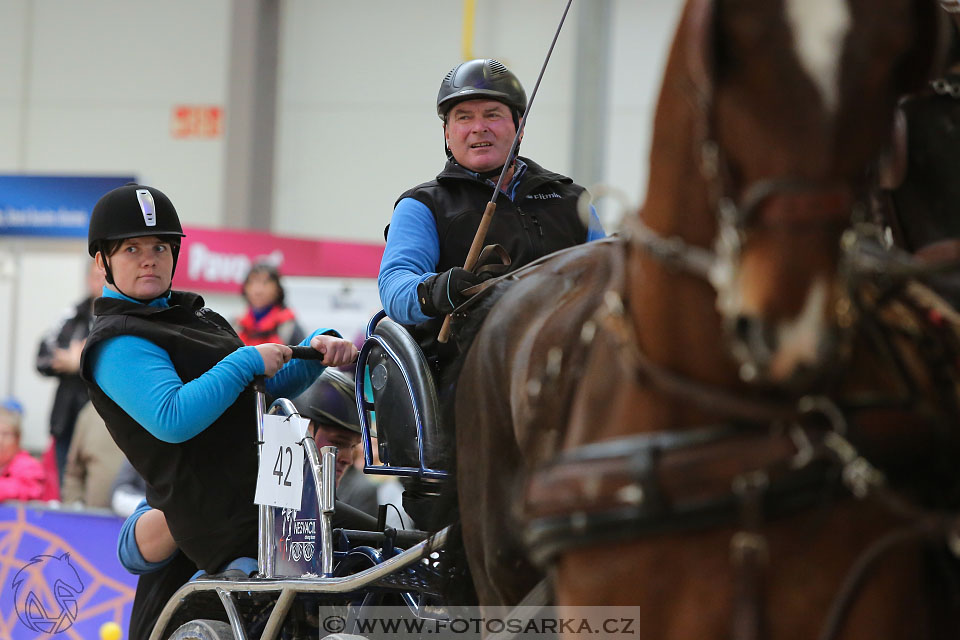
(280, 476)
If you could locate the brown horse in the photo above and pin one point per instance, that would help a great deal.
(726, 362)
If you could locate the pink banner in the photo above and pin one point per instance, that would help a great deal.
(218, 259)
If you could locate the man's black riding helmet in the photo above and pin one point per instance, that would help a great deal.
(131, 211)
(481, 79)
(330, 400)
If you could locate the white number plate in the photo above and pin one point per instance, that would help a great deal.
(280, 476)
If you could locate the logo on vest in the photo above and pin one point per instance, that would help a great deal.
(544, 196)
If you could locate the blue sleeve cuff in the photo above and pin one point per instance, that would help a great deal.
(127, 550)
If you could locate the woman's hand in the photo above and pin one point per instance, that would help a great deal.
(274, 356)
(336, 351)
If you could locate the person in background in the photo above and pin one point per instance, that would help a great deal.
(21, 476)
(59, 356)
(355, 488)
(92, 463)
(267, 318)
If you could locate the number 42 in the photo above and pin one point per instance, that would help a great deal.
(278, 467)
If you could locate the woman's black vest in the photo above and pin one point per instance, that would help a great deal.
(204, 486)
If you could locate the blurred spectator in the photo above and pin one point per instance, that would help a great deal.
(356, 489)
(267, 318)
(92, 463)
(21, 476)
(127, 491)
(59, 355)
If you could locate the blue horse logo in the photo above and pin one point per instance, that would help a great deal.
(46, 592)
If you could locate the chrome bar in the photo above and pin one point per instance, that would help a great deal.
(239, 633)
(328, 470)
(266, 543)
(275, 621)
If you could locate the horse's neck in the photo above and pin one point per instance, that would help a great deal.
(675, 315)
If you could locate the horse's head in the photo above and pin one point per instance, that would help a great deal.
(795, 101)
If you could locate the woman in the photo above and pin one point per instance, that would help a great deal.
(21, 477)
(267, 318)
(172, 379)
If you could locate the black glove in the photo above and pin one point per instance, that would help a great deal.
(442, 293)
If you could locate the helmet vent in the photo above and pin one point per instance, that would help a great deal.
(497, 68)
(449, 76)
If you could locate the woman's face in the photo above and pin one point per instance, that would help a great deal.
(9, 442)
(261, 290)
(142, 267)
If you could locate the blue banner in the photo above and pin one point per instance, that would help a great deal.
(53, 206)
(59, 574)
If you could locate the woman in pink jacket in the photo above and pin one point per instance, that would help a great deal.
(21, 476)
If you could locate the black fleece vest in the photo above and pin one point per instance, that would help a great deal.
(541, 219)
(205, 485)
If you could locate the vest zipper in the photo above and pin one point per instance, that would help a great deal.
(536, 237)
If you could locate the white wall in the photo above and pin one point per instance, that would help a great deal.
(88, 87)
(99, 80)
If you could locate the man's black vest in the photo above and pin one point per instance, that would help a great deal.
(541, 219)
(204, 486)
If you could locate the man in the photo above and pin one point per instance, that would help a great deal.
(421, 276)
(145, 545)
(59, 355)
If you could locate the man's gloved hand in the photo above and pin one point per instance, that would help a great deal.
(442, 293)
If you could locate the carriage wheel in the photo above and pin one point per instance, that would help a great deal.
(203, 630)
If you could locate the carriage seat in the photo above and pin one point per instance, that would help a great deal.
(395, 373)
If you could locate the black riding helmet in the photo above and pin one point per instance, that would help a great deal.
(330, 400)
(132, 211)
(481, 78)
(478, 79)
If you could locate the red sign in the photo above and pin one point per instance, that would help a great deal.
(218, 259)
(196, 121)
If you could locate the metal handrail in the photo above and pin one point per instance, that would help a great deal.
(306, 584)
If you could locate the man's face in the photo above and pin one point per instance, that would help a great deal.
(344, 440)
(479, 134)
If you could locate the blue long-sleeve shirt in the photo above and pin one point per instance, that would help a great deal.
(174, 411)
(413, 251)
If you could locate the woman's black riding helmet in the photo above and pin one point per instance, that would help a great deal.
(133, 211)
